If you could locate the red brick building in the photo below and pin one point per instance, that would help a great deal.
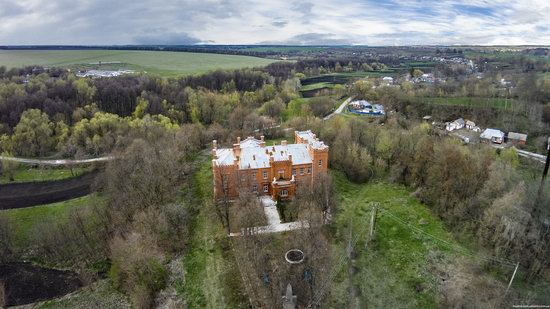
(268, 170)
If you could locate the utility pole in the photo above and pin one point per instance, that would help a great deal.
(544, 174)
(372, 226)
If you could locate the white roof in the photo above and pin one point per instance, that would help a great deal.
(258, 158)
(490, 133)
(224, 156)
(250, 142)
(254, 156)
(312, 140)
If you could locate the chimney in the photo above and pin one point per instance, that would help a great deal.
(290, 158)
(283, 143)
(254, 157)
(237, 150)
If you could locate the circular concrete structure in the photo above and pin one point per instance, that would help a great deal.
(294, 256)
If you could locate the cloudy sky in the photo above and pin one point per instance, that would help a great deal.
(398, 22)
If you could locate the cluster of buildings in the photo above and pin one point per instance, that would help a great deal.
(275, 171)
(103, 73)
(363, 107)
(491, 135)
(460, 123)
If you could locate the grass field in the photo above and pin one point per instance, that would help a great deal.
(212, 278)
(25, 220)
(27, 174)
(393, 269)
(169, 64)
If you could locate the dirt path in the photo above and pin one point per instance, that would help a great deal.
(57, 162)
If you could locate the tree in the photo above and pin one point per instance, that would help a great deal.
(33, 135)
(9, 167)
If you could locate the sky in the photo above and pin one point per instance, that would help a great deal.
(319, 22)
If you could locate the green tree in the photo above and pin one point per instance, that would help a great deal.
(33, 135)
(8, 166)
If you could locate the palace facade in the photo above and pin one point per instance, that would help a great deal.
(268, 170)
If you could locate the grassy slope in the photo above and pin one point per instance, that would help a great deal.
(99, 294)
(212, 279)
(27, 174)
(467, 101)
(25, 219)
(399, 260)
(163, 63)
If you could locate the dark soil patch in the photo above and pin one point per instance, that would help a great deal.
(27, 194)
(25, 283)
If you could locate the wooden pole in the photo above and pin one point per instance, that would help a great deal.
(512, 279)
(372, 226)
(544, 174)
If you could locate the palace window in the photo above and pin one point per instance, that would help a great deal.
(320, 162)
(284, 192)
(293, 172)
(301, 170)
(264, 174)
(254, 175)
(309, 170)
(255, 188)
(266, 188)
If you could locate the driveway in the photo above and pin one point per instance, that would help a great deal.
(339, 109)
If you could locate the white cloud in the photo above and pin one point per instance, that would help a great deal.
(291, 22)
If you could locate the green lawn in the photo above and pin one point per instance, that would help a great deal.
(212, 278)
(168, 64)
(26, 174)
(395, 271)
(25, 219)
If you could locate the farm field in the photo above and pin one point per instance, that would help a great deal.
(26, 220)
(28, 174)
(168, 64)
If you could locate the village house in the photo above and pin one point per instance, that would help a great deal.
(493, 135)
(455, 125)
(268, 170)
(470, 125)
(517, 138)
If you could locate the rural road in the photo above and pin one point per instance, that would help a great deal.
(339, 109)
(56, 162)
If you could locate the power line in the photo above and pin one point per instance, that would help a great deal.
(341, 261)
(451, 245)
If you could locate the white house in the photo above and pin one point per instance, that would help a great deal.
(388, 80)
(455, 125)
(493, 135)
(470, 125)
